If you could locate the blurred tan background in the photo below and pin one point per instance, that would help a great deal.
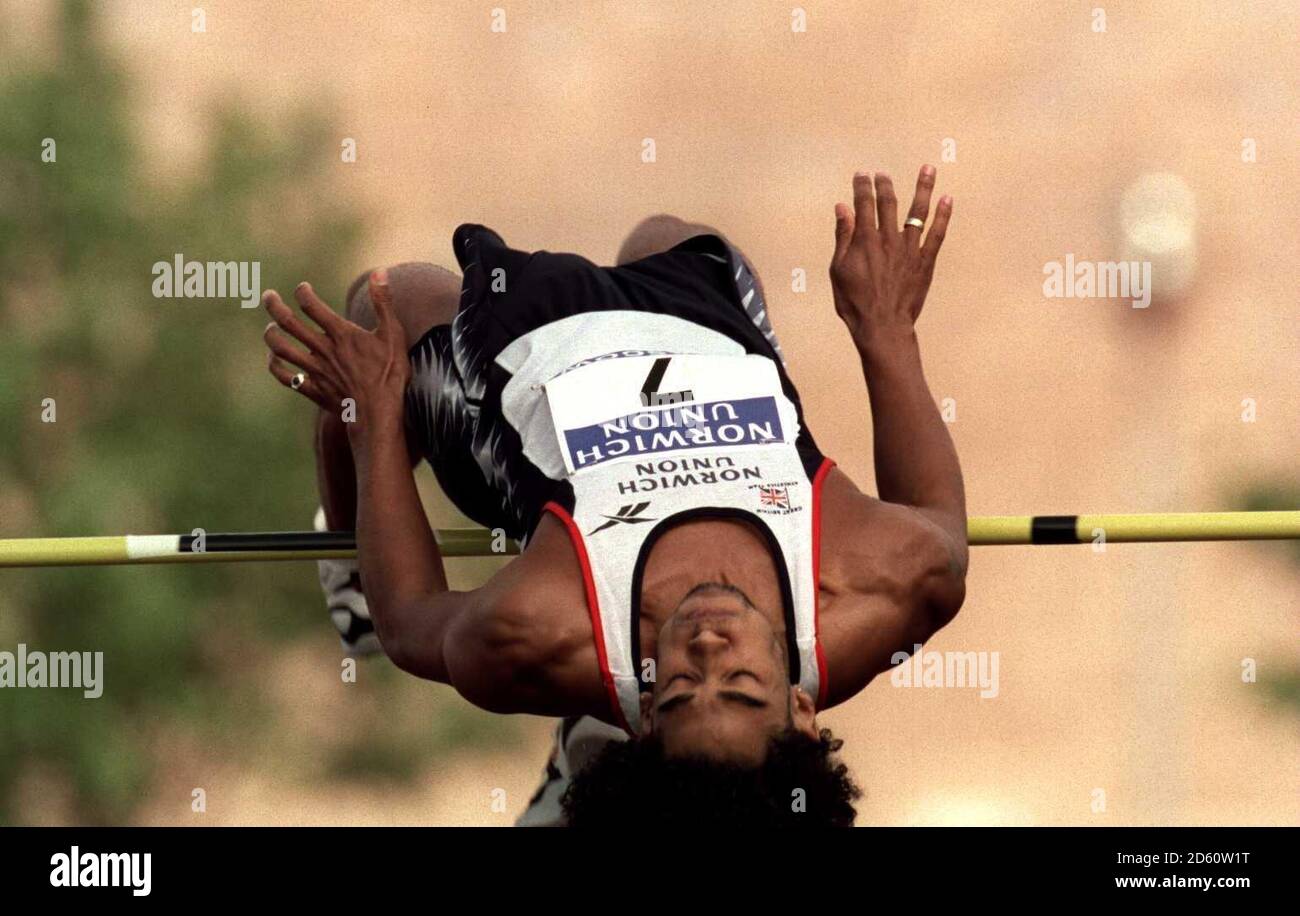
(1121, 670)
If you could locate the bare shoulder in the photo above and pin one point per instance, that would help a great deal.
(530, 647)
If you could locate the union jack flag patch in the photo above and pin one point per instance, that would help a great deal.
(776, 497)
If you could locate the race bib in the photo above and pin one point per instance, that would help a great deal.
(642, 407)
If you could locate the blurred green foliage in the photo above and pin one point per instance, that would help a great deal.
(166, 421)
(1284, 687)
(1273, 497)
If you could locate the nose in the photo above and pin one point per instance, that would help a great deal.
(708, 642)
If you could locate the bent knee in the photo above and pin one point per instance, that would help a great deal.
(658, 233)
(424, 295)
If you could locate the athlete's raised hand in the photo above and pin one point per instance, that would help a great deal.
(342, 360)
(879, 273)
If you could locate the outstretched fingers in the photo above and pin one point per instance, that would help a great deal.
(920, 207)
(886, 208)
(292, 325)
(864, 207)
(381, 296)
(843, 232)
(278, 343)
(315, 308)
(934, 238)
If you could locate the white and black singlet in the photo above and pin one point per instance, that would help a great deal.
(623, 401)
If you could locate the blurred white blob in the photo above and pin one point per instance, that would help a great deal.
(1157, 217)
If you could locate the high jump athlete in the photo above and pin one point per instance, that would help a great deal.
(695, 573)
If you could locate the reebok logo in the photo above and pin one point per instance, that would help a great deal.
(626, 515)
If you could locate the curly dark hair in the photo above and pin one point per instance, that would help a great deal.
(634, 783)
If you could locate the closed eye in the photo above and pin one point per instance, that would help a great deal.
(680, 700)
(744, 699)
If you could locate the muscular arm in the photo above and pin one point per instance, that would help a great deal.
(401, 566)
(916, 462)
(902, 558)
(501, 651)
(503, 647)
(337, 483)
(500, 646)
(880, 276)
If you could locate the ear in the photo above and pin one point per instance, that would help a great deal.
(647, 712)
(803, 712)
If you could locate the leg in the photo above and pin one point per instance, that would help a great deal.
(424, 295)
(658, 233)
(440, 423)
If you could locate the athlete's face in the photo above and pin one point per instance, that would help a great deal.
(722, 686)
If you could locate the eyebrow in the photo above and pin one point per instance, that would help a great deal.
(731, 696)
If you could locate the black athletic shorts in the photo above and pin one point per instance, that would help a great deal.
(453, 405)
